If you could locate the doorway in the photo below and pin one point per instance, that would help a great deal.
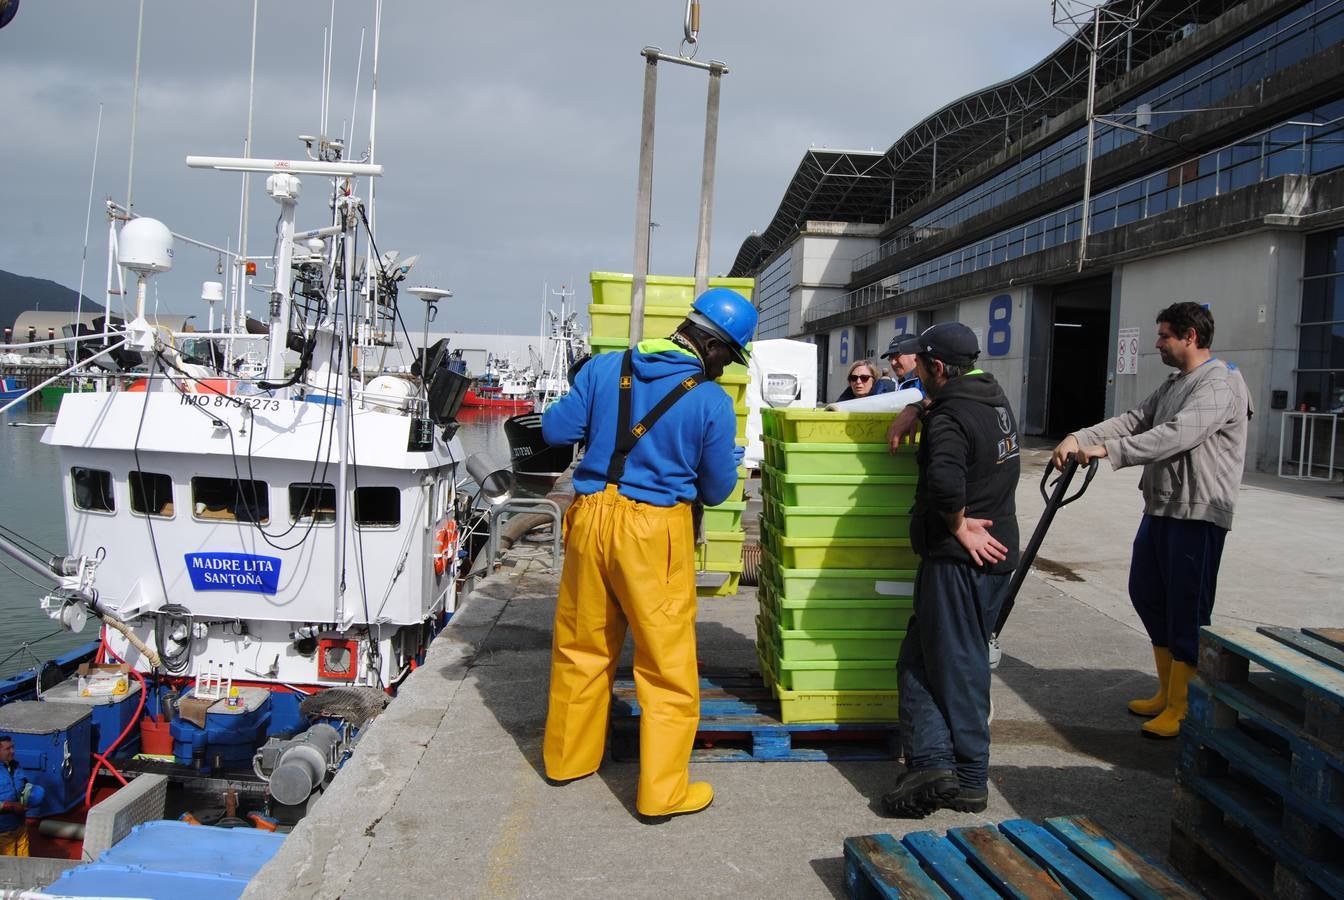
(823, 364)
(1080, 344)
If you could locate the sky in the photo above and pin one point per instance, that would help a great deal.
(509, 130)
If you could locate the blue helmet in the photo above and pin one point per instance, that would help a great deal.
(728, 316)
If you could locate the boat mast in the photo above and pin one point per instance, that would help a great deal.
(371, 282)
(238, 315)
(135, 105)
(88, 220)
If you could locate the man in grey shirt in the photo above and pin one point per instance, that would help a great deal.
(1190, 438)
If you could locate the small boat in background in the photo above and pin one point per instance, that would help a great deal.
(532, 457)
(10, 389)
(502, 387)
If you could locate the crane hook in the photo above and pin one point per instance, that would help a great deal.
(691, 30)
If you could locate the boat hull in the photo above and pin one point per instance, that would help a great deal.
(473, 400)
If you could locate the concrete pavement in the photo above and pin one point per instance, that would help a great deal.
(445, 795)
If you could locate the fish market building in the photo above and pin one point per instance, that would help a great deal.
(1217, 175)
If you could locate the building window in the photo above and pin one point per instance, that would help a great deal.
(377, 507)
(230, 500)
(1320, 353)
(93, 489)
(152, 494)
(312, 503)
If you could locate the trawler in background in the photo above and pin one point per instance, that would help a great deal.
(502, 387)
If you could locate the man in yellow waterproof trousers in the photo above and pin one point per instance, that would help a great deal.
(659, 437)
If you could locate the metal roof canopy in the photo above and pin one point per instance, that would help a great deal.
(832, 186)
(854, 186)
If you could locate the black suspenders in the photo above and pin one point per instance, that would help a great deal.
(625, 434)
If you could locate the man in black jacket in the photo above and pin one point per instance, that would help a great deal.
(964, 528)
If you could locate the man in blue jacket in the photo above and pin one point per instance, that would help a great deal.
(902, 364)
(17, 793)
(659, 437)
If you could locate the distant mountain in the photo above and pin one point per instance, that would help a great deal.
(19, 293)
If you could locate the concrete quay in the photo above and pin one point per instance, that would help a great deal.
(445, 795)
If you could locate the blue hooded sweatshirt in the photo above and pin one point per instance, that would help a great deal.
(12, 782)
(687, 454)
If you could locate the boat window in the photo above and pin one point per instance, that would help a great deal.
(93, 489)
(152, 494)
(312, 502)
(230, 500)
(377, 507)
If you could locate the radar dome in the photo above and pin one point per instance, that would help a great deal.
(145, 246)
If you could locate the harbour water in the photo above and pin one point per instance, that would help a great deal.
(30, 504)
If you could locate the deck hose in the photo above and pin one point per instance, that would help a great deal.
(149, 654)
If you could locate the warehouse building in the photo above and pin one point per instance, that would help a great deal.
(1217, 175)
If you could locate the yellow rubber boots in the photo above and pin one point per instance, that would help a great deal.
(1168, 724)
(1158, 702)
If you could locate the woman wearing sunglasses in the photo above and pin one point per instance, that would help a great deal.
(864, 379)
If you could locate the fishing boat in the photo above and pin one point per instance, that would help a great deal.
(267, 534)
(501, 388)
(10, 388)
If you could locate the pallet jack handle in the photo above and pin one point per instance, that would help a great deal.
(1056, 498)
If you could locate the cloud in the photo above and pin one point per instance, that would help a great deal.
(509, 130)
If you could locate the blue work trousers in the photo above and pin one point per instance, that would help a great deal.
(943, 670)
(1173, 575)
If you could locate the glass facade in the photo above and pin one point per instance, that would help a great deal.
(1320, 353)
(1299, 33)
(1313, 143)
(772, 297)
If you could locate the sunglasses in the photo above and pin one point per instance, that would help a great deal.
(862, 378)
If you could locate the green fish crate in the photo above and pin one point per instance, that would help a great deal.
(842, 584)
(839, 553)
(838, 459)
(659, 290)
(727, 516)
(841, 644)
(721, 548)
(895, 492)
(837, 521)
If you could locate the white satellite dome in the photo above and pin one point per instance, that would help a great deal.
(145, 246)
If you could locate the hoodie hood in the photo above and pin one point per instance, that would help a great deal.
(975, 386)
(660, 357)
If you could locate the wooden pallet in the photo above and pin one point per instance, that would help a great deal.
(1070, 856)
(1261, 772)
(739, 721)
(1306, 693)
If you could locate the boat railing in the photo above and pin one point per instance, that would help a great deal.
(499, 515)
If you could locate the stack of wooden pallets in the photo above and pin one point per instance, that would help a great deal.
(1260, 782)
(837, 569)
(667, 300)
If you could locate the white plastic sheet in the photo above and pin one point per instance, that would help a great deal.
(892, 401)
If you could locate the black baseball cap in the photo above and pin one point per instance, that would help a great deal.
(952, 342)
(894, 348)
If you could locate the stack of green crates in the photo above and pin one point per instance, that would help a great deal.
(667, 299)
(837, 572)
